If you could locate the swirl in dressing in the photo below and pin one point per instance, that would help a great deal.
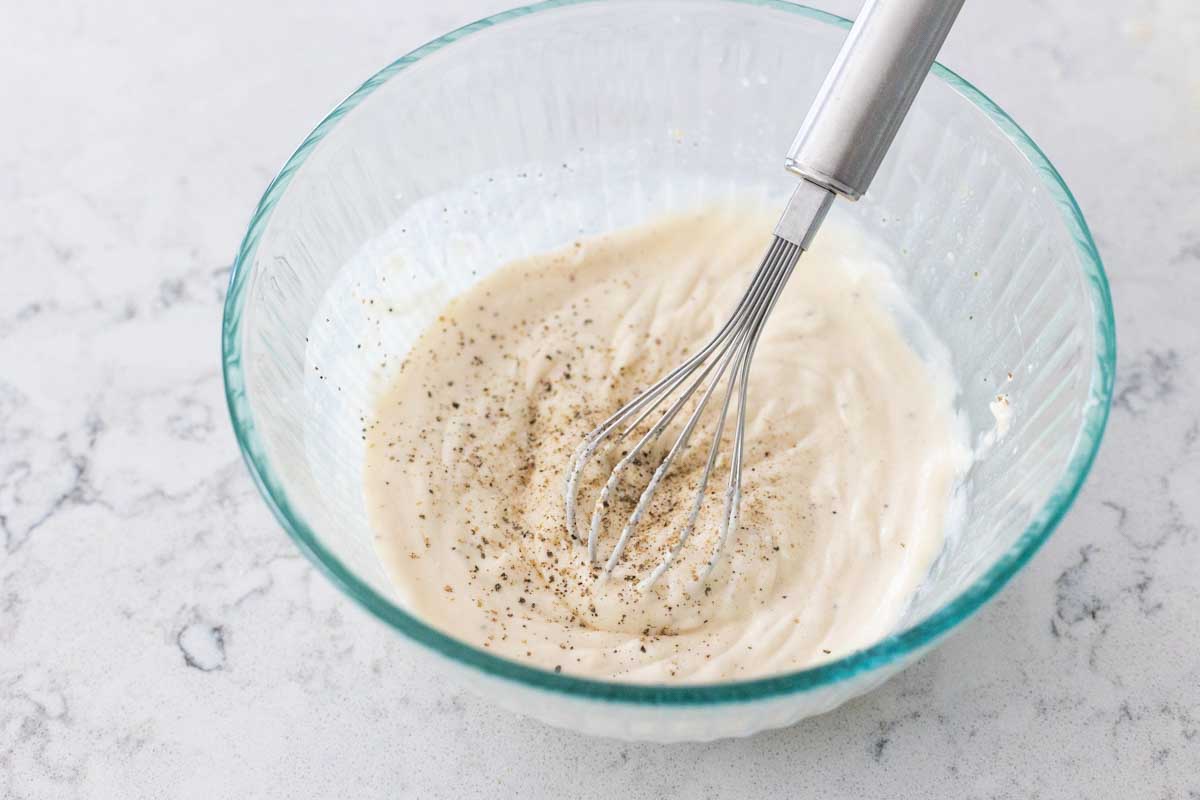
(853, 450)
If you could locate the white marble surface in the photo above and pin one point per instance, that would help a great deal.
(161, 637)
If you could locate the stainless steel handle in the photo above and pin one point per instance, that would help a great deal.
(868, 91)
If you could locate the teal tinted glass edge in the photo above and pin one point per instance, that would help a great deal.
(893, 647)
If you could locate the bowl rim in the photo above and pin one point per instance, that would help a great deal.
(905, 643)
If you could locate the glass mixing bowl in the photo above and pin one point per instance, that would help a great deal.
(522, 131)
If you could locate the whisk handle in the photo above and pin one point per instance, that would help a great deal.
(868, 91)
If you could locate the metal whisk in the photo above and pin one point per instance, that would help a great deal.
(839, 148)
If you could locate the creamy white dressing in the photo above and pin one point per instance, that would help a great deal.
(852, 453)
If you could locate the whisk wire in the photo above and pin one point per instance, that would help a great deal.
(646, 400)
(729, 518)
(727, 353)
(733, 345)
(782, 257)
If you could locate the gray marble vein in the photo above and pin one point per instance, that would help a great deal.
(161, 637)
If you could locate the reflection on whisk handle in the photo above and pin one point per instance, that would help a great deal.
(867, 92)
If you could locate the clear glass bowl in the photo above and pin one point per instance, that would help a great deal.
(521, 131)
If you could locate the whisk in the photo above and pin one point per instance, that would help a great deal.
(837, 151)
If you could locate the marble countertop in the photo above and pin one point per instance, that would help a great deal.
(161, 636)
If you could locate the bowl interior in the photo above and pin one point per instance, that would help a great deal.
(502, 140)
